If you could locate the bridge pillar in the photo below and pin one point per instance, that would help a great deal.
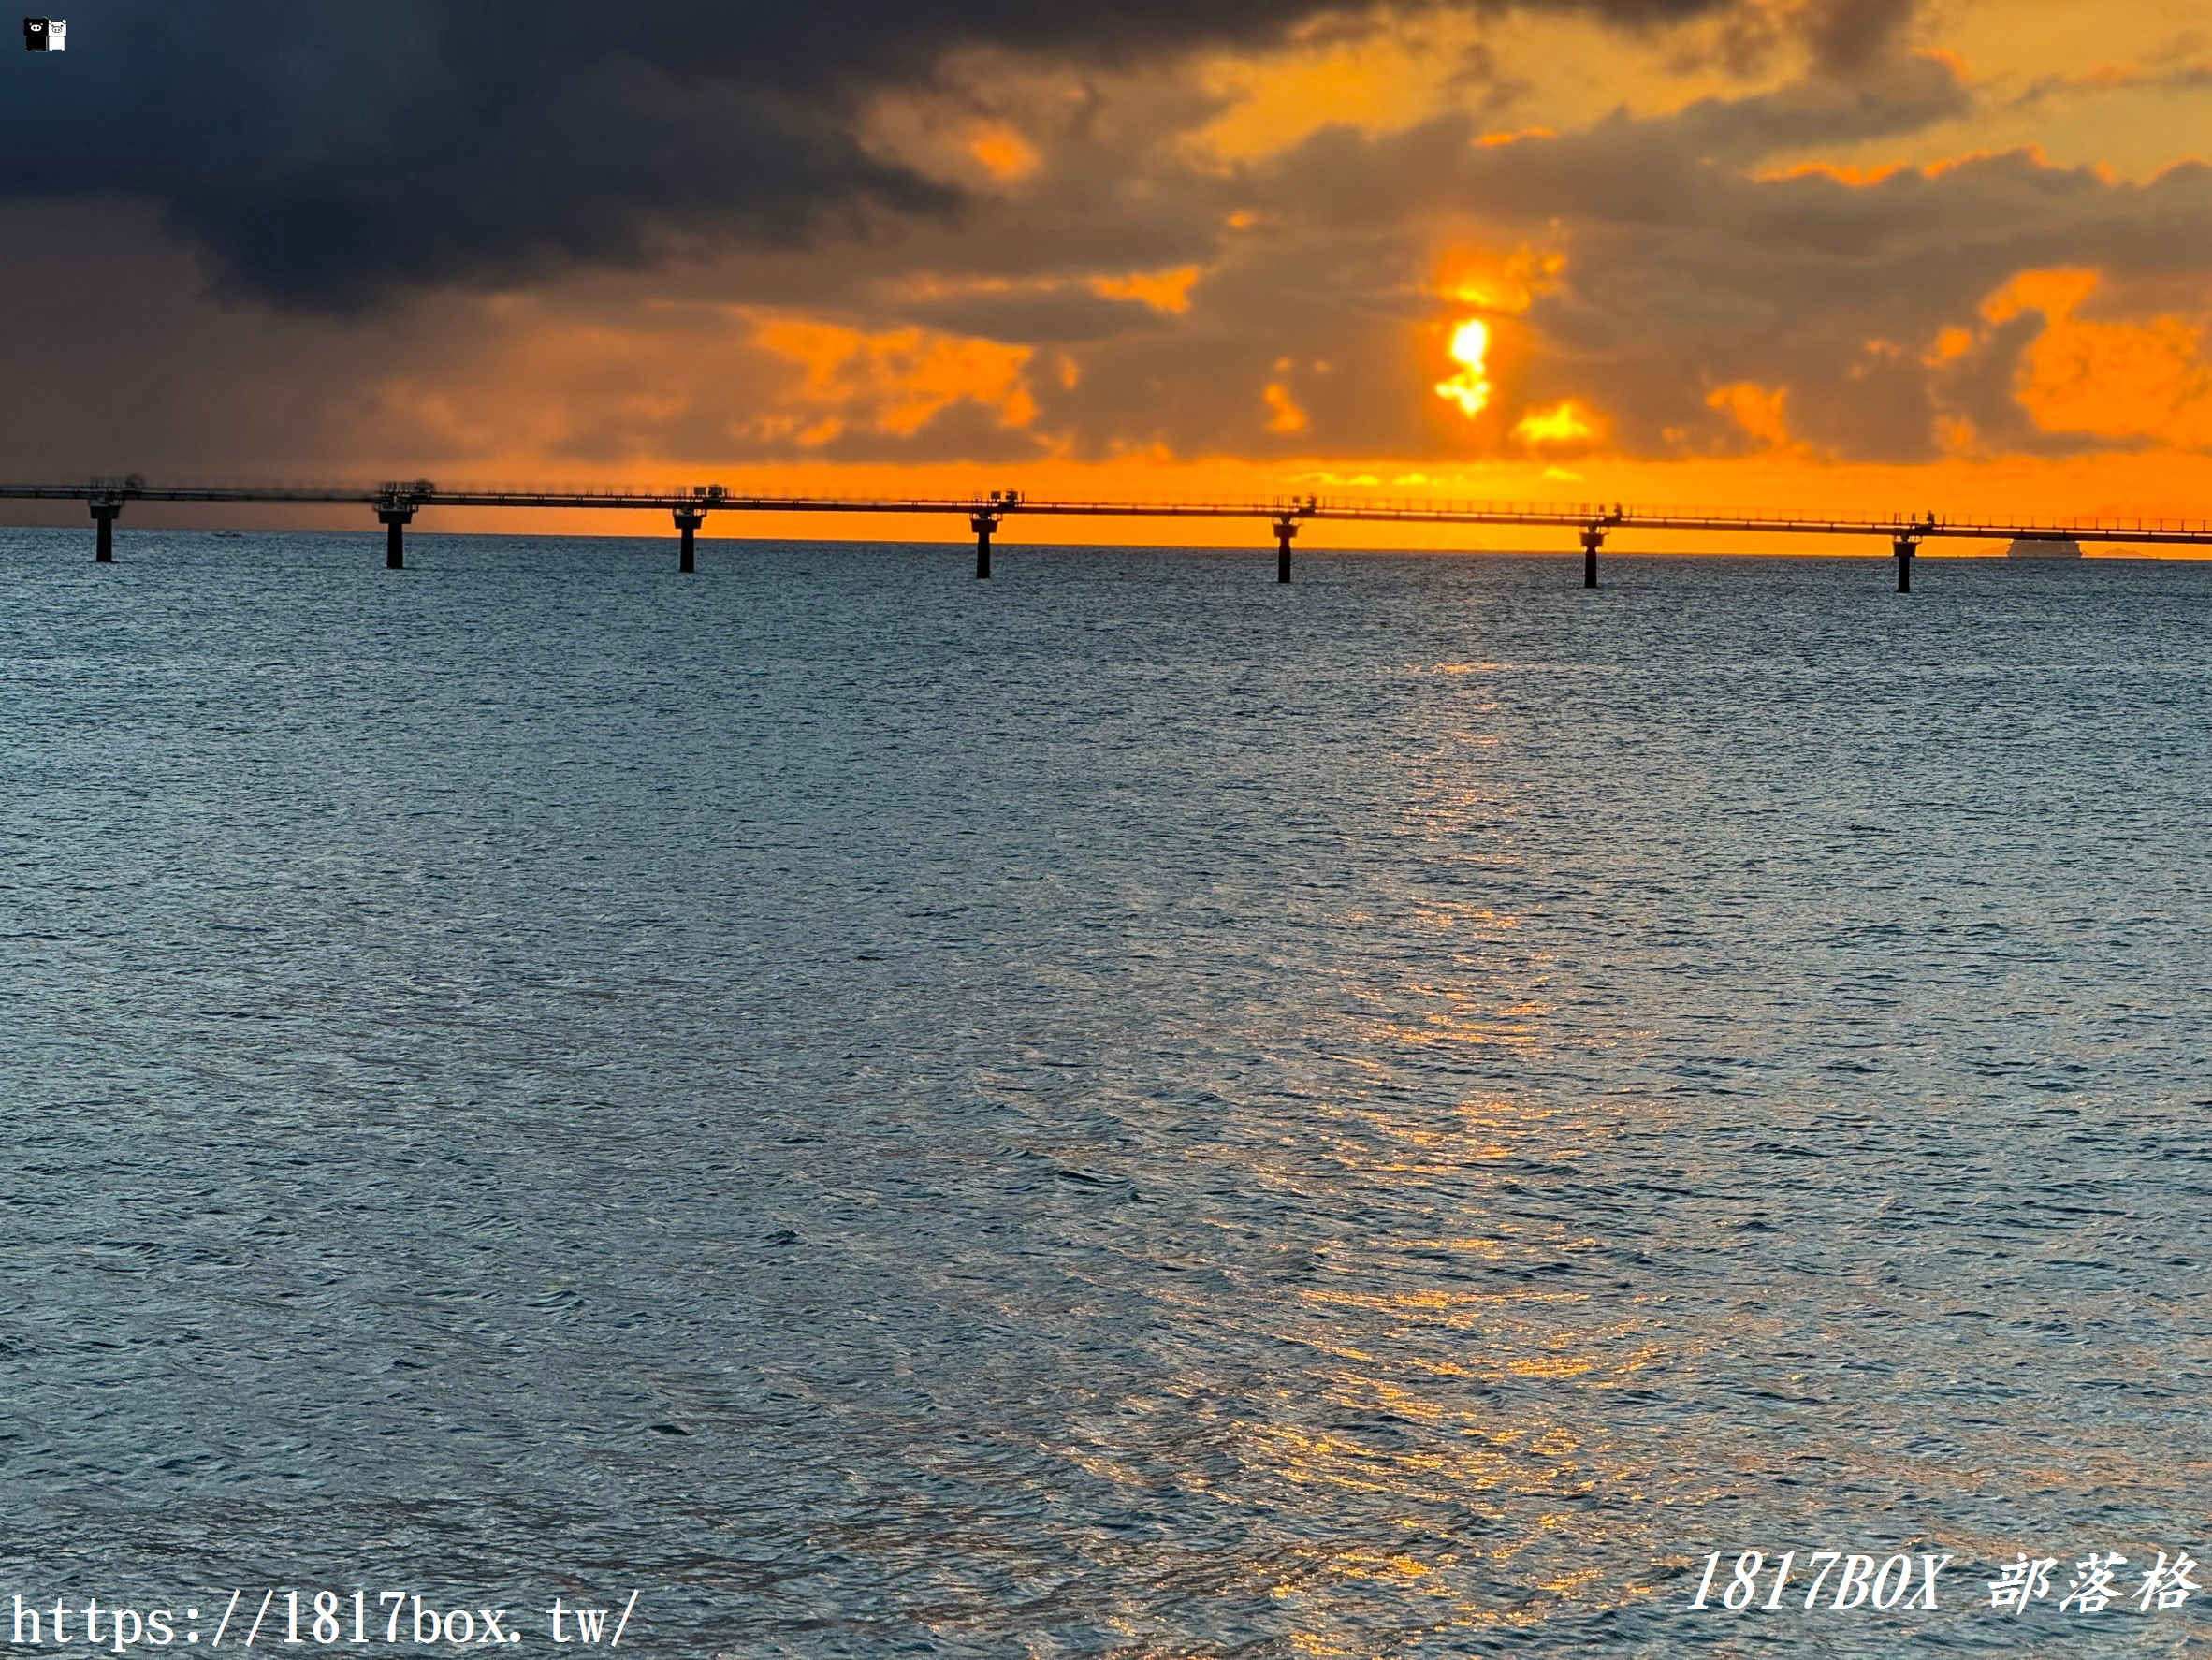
(394, 544)
(1593, 539)
(1906, 548)
(1284, 529)
(982, 524)
(104, 514)
(688, 519)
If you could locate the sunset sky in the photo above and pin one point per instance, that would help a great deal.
(1850, 256)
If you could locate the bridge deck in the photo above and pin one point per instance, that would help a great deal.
(1585, 515)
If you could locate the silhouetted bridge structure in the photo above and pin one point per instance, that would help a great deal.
(395, 503)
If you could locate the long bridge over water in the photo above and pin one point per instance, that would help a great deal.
(396, 503)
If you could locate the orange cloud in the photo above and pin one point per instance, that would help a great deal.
(1950, 346)
(1165, 291)
(1858, 178)
(1379, 81)
(1493, 140)
(1958, 436)
(908, 376)
(1565, 425)
(1497, 283)
(1285, 414)
(2115, 380)
(1004, 153)
(1758, 411)
(2054, 292)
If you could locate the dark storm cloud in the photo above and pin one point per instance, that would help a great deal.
(1913, 94)
(1849, 35)
(1842, 38)
(325, 155)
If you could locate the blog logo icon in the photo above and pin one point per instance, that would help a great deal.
(44, 33)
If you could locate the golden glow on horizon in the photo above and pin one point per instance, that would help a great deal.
(1999, 488)
(1470, 389)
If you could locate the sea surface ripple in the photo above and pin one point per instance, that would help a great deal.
(1124, 1111)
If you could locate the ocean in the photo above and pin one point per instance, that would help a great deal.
(1120, 1110)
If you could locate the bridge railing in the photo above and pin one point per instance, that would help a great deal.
(1379, 506)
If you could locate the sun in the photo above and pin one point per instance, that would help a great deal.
(1470, 387)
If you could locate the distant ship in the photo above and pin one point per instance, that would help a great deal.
(2044, 548)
